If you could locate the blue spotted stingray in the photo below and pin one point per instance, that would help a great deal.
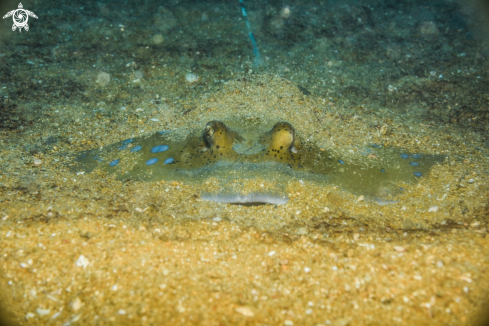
(277, 155)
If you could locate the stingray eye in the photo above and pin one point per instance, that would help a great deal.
(209, 131)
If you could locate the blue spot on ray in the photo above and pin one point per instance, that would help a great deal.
(164, 132)
(152, 161)
(136, 148)
(404, 156)
(341, 162)
(415, 155)
(376, 146)
(382, 170)
(418, 174)
(159, 148)
(414, 163)
(114, 162)
(168, 160)
(127, 141)
(123, 147)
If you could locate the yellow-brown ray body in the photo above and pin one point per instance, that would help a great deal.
(277, 155)
(215, 144)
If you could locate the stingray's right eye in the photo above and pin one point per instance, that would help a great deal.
(209, 131)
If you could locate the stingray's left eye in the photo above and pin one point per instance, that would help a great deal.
(209, 131)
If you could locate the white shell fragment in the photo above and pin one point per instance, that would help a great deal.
(433, 209)
(82, 261)
(191, 78)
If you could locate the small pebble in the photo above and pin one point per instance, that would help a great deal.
(191, 78)
(139, 74)
(37, 161)
(76, 305)
(103, 78)
(433, 209)
(399, 249)
(360, 198)
(82, 261)
(158, 39)
(217, 219)
(271, 253)
(428, 29)
(356, 236)
(43, 312)
(122, 312)
(168, 160)
(307, 269)
(245, 311)
(152, 161)
(159, 148)
(471, 181)
(285, 12)
(114, 162)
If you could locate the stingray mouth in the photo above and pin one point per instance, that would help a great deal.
(252, 199)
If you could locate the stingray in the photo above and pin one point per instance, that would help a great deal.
(278, 155)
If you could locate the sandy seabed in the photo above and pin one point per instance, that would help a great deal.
(87, 248)
(83, 249)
